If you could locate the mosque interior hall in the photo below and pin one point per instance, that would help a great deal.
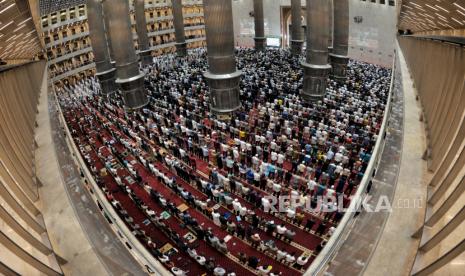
(232, 137)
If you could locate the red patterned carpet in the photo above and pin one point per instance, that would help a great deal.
(182, 260)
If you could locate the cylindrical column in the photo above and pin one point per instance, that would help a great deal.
(178, 20)
(105, 71)
(339, 58)
(106, 6)
(260, 39)
(316, 67)
(331, 26)
(223, 77)
(296, 31)
(142, 37)
(129, 78)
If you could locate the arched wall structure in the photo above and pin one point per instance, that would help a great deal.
(24, 244)
(440, 82)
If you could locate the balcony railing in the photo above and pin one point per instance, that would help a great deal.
(66, 39)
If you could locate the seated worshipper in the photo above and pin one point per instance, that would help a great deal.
(219, 271)
(213, 240)
(255, 238)
(242, 257)
(264, 269)
(289, 235)
(222, 247)
(280, 255)
(301, 261)
(263, 246)
(192, 253)
(178, 272)
(253, 262)
(228, 200)
(290, 258)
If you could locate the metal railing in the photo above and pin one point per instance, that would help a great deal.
(446, 39)
(343, 229)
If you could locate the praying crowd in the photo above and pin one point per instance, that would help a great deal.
(198, 191)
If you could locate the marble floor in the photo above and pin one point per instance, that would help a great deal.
(397, 249)
(373, 245)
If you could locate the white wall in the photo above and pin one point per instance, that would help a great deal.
(371, 41)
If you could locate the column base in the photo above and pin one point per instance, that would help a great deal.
(339, 64)
(330, 49)
(315, 81)
(133, 92)
(260, 43)
(181, 49)
(224, 92)
(145, 57)
(107, 81)
(296, 46)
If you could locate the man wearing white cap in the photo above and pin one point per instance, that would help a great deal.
(237, 206)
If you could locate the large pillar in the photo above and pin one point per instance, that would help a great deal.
(106, 6)
(260, 39)
(129, 78)
(331, 26)
(105, 71)
(339, 58)
(141, 28)
(178, 20)
(296, 32)
(316, 67)
(223, 77)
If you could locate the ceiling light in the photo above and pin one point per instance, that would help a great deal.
(6, 25)
(442, 8)
(461, 12)
(440, 16)
(24, 21)
(429, 6)
(461, 23)
(455, 3)
(21, 26)
(7, 8)
(11, 37)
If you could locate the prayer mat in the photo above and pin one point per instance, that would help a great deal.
(168, 250)
(190, 237)
(165, 215)
(130, 180)
(227, 238)
(183, 207)
(227, 215)
(103, 172)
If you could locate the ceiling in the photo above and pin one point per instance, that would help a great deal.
(49, 6)
(429, 15)
(18, 36)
